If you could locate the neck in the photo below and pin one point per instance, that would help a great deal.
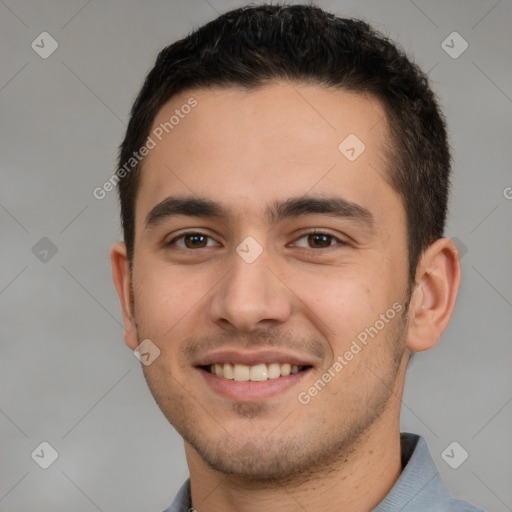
(357, 481)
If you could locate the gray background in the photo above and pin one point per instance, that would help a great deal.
(66, 376)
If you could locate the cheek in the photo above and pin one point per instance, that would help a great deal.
(345, 303)
(342, 300)
(165, 297)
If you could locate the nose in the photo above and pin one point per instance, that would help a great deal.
(251, 296)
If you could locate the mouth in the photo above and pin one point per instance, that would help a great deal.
(255, 373)
(245, 377)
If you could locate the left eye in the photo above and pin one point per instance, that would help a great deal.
(318, 240)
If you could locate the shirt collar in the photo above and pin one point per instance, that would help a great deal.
(420, 485)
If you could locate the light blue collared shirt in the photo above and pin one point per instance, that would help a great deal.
(418, 489)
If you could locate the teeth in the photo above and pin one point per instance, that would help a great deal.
(285, 370)
(241, 372)
(256, 373)
(228, 371)
(274, 370)
(219, 370)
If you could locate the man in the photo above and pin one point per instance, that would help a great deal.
(283, 185)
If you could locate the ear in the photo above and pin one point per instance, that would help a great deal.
(123, 283)
(433, 298)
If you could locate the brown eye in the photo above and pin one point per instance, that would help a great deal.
(319, 240)
(195, 240)
(191, 241)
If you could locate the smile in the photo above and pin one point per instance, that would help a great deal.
(256, 373)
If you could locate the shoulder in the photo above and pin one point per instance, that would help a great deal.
(455, 505)
(182, 501)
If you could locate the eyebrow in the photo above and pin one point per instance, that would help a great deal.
(277, 211)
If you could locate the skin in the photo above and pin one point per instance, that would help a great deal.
(244, 150)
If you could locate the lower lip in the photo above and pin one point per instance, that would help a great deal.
(247, 391)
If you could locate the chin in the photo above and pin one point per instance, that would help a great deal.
(254, 461)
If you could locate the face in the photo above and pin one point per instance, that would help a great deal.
(270, 269)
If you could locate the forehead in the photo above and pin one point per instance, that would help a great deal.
(248, 148)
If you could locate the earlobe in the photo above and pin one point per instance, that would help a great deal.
(433, 299)
(122, 281)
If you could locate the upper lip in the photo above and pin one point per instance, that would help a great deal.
(252, 358)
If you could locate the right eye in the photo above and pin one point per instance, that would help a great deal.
(191, 240)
